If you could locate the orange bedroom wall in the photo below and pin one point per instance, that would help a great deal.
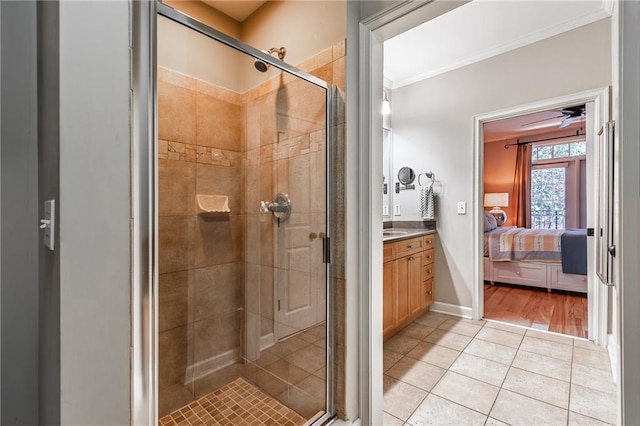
(499, 167)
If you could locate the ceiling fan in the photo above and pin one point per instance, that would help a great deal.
(570, 115)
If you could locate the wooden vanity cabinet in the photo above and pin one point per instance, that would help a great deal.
(407, 281)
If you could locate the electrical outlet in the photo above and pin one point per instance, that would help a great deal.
(462, 207)
(396, 210)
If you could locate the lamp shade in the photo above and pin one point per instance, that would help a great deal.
(496, 199)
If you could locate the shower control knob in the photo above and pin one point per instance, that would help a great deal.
(264, 206)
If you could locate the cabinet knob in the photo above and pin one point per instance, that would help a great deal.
(411, 258)
(518, 272)
(429, 292)
(410, 246)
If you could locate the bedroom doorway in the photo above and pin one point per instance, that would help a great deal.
(537, 175)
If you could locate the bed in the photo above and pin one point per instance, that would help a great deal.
(546, 258)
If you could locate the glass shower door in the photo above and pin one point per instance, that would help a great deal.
(242, 281)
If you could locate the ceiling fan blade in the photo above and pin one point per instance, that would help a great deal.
(544, 119)
(566, 122)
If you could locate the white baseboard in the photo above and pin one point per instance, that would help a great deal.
(267, 341)
(211, 365)
(455, 310)
(612, 348)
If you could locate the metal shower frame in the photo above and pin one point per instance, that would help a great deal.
(144, 190)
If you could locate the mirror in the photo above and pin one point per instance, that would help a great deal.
(406, 175)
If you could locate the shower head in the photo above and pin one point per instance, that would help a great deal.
(263, 66)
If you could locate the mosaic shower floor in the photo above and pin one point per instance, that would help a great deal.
(237, 403)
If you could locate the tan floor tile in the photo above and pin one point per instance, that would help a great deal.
(466, 391)
(542, 388)
(493, 422)
(593, 378)
(400, 399)
(416, 373)
(432, 319)
(547, 347)
(500, 337)
(389, 420)
(480, 369)
(400, 344)
(591, 358)
(552, 337)
(438, 411)
(389, 359)
(505, 327)
(309, 359)
(462, 326)
(286, 371)
(576, 419)
(491, 351)
(541, 364)
(416, 331)
(587, 344)
(433, 354)
(515, 409)
(448, 339)
(583, 402)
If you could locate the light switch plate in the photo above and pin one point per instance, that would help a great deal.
(385, 210)
(396, 210)
(462, 207)
(49, 234)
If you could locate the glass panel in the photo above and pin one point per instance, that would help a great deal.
(545, 152)
(242, 294)
(561, 150)
(534, 153)
(548, 194)
(578, 148)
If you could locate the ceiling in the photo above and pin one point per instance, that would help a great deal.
(535, 124)
(238, 9)
(479, 30)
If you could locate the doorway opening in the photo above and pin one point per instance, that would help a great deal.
(535, 222)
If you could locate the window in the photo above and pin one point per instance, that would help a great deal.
(561, 150)
(555, 185)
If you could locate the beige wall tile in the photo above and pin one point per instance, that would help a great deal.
(176, 113)
(176, 243)
(216, 335)
(175, 299)
(339, 74)
(217, 290)
(176, 188)
(218, 240)
(173, 355)
(220, 180)
(339, 49)
(218, 123)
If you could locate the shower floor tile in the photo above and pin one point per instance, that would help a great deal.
(237, 403)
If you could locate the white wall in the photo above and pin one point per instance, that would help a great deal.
(432, 125)
(95, 212)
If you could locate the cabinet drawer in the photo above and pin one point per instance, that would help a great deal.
(532, 274)
(427, 257)
(427, 292)
(428, 241)
(407, 247)
(388, 252)
(427, 271)
(570, 282)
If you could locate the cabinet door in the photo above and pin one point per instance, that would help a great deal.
(388, 296)
(415, 283)
(402, 289)
(427, 292)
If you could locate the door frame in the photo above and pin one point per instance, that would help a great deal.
(597, 294)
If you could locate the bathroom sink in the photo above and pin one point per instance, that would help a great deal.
(390, 233)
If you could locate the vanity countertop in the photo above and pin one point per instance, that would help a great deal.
(397, 234)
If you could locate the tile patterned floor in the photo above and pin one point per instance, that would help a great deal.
(237, 403)
(450, 371)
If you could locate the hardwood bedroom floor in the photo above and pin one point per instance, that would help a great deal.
(564, 313)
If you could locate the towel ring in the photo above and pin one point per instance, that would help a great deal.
(428, 175)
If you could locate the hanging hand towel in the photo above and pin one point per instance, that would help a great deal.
(427, 203)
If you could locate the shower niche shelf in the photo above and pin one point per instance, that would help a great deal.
(212, 205)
